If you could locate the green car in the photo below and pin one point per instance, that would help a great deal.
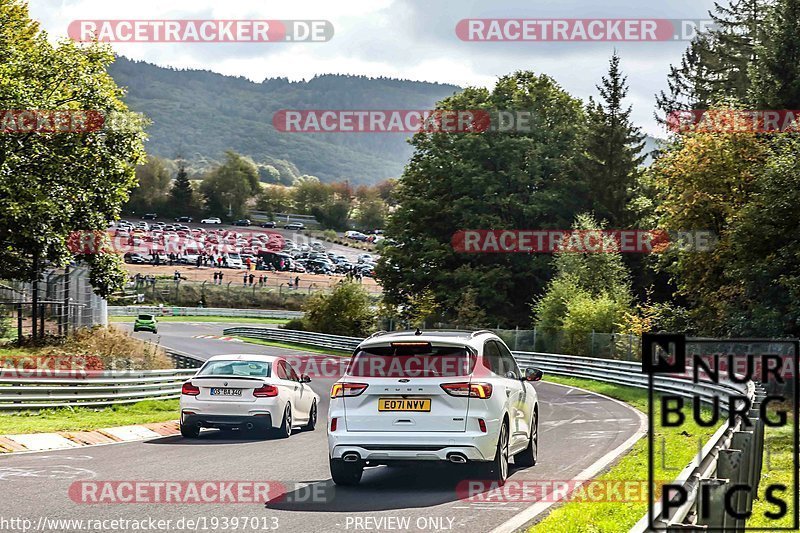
(146, 323)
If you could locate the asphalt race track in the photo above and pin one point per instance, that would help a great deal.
(576, 430)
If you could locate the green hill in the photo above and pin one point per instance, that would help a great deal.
(201, 114)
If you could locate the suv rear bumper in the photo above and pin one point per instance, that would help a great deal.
(382, 447)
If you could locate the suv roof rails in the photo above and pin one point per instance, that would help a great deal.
(465, 332)
(378, 334)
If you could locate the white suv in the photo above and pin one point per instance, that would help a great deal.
(435, 396)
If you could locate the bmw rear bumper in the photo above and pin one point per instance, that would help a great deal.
(260, 421)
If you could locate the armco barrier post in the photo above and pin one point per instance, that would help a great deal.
(758, 443)
(729, 466)
(743, 440)
(711, 511)
(752, 460)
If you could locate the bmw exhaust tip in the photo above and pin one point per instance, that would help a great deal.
(457, 458)
(351, 457)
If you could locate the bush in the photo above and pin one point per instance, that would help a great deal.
(297, 324)
(587, 314)
(6, 329)
(117, 350)
(98, 348)
(346, 311)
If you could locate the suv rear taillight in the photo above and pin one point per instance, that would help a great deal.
(341, 390)
(190, 390)
(471, 390)
(267, 391)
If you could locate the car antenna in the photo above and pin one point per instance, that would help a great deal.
(418, 332)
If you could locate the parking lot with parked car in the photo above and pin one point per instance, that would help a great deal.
(231, 247)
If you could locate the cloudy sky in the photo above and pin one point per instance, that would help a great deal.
(412, 39)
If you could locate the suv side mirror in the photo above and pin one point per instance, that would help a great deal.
(533, 374)
(305, 379)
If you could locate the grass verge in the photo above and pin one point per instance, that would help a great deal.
(297, 346)
(679, 447)
(225, 319)
(85, 419)
(98, 348)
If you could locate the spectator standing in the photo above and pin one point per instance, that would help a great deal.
(216, 277)
(252, 278)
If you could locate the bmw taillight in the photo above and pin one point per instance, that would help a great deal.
(341, 390)
(471, 390)
(190, 390)
(267, 391)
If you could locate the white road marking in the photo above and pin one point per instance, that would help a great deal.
(536, 509)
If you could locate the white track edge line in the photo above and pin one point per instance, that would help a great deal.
(521, 519)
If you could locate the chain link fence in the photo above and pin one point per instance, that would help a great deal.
(61, 301)
(233, 293)
(619, 346)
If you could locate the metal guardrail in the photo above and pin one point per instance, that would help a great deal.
(183, 360)
(47, 389)
(52, 389)
(133, 310)
(733, 455)
(333, 342)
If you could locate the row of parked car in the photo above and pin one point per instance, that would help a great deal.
(315, 259)
(216, 220)
(155, 242)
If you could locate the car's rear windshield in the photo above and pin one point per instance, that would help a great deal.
(259, 369)
(410, 361)
(145, 317)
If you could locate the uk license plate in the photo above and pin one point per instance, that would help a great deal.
(404, 404)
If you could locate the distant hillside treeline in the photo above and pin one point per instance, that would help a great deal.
(202, 114)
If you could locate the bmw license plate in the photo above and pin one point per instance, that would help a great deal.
(226, 392)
